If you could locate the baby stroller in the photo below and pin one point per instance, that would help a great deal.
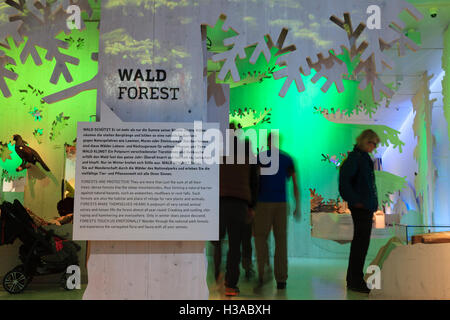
(41, 252)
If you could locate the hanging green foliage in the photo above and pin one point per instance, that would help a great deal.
(26, 113)
(249, 117)
(9, 162)
(388, 184)
(58, 125)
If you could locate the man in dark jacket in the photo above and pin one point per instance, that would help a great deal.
(357, 187)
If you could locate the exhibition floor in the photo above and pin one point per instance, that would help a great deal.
(309, 279)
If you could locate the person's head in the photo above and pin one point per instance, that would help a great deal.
(65, 206)
(368, 140)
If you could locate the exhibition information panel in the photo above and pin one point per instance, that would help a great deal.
(128, 187)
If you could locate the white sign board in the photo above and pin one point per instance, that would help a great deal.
(129, 188)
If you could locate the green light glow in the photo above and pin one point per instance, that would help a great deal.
(387, 184)
(9, 165)
(303, 134)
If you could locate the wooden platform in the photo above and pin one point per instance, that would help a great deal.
(435, 237)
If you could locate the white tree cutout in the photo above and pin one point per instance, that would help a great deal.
(73, 91)
(11, 29)
(238, 50)
(332, 68)
(403, 43)
(373, 60)
(291, 72)
(6, 73)
(261, 47)
(368, 67)
(8, 30)
(41, 21)
(371, 78)
(378, 39)
(240, 43)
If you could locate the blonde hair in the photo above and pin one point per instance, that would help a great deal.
(367, 135)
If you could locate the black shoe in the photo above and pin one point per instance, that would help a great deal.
(361, 288)
(259, 286)
(281, 285)
(231, 291)
(261, 282)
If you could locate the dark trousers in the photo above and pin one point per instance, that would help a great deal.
(232, 215)
(247, 250)
(362, 228)
(247, 246)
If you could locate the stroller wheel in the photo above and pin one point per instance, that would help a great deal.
(15, 281)
(21, 268)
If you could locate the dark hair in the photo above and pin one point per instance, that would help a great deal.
(367, 135)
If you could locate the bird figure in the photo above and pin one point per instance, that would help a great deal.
(27, 154)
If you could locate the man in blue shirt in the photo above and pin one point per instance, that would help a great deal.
(271, 212)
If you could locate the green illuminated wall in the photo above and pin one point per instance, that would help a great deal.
(46, 127)
(306, 135)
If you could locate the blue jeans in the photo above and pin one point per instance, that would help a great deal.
(362, 228)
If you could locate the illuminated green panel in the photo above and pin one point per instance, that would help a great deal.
(388, 183)
(215, 36)
(304, 134)
(9, 161)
